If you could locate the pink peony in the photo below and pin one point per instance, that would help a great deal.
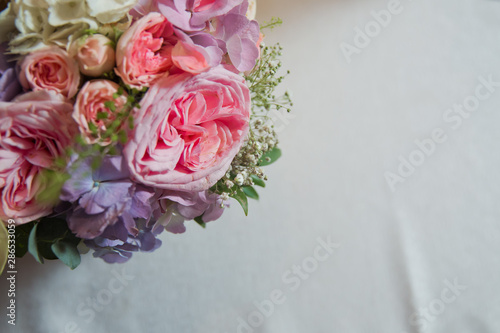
(50, 69)
(94, 54)
(90, 102)
(188, 130)
(35, 128)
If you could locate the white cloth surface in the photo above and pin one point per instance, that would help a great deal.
(399, 253)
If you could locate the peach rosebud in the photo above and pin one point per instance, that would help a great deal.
(50, 69)
(90, 107)
(94, 54)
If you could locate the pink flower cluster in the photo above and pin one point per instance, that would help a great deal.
(191, 122)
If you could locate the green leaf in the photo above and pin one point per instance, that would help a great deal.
(52, 183)
(102, 115)
(33, 246)
(45, 234)
(241, 197)
(270, 157)
(257, 181)
(92, 128)
(80, 140)
(110, 105)
(22, 237)
(251, 192)
(122, 137)
(199, 220)
(67, 253)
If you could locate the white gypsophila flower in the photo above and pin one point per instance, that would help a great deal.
(239, 179)
(38, 23)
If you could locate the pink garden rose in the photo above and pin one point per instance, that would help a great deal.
(94, 54)
(188, 130)
(148, 50)
(90, 102)
(144, 53)
(35, 129)
(50, 69)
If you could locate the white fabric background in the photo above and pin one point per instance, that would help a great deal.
(352, 122)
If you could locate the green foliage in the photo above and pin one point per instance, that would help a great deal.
(275, 22)
(22, 236)
(260, 148)
(50, 238)
(257, 181)
(270, 157)
(199, 220)
(67, 253)
(250, 192)
(265, 78)
(241, 197)
(51, 182)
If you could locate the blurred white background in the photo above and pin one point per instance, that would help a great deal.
(422, 256)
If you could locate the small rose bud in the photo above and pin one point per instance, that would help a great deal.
(95, 54)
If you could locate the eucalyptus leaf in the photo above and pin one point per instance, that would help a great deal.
(67, 253)
(22, 237)
(33, 246)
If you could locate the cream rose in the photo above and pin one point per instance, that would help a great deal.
(94, 54)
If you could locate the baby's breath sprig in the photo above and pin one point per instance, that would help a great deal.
(261, 145)
(264, 80)
(275, 21)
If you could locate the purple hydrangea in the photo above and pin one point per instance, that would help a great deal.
(239, 37)
(110, 211)
(193, 15)
(9, 84)
(177, 207)
(116, 244)
(100, 196)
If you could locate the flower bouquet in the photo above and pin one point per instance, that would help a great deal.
(123, 118)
